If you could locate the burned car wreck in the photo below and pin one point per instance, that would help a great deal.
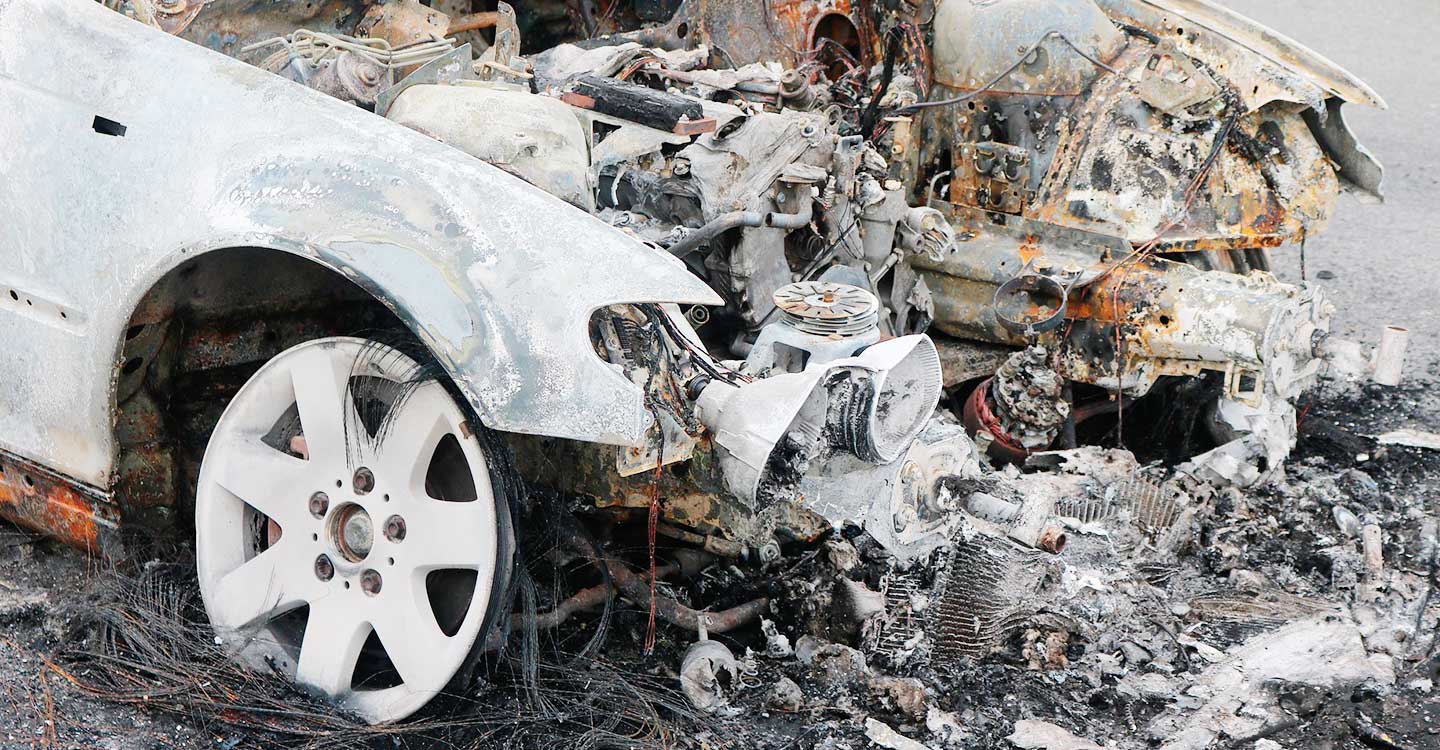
(940, 294)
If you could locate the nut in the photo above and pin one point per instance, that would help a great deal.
(364, 481)
(370, 582)
(395, 528)
(319, 504)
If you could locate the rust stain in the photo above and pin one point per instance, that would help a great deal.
(1118, 296)
(785, 30)
(228, 32)
(1030, 251)
(36, 499)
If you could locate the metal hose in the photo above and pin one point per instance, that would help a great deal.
(735, 219)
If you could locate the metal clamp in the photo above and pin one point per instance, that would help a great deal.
(1033, 284)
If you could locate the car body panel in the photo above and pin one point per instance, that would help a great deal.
(1274, 47)
(491, 273)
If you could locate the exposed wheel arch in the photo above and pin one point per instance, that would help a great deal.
(200, 329)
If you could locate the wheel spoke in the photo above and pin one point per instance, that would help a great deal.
(320, 378)
(260, 589)
(334, 636)
(411, 440)
(417, 647)
(451, 535)
(272, 482)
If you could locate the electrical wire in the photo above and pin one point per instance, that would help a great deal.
(1004, 74)
(317, 46)
(1148, 249)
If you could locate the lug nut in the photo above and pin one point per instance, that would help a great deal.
(364, 481)
(319, 503)
(395, 528)
(370, 582)
(324, 569)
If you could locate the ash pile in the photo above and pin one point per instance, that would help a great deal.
(991, 442)
(1080, 600)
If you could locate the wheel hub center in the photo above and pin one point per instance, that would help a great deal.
(353, 532)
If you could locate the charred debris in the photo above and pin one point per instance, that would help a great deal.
(1074, 201)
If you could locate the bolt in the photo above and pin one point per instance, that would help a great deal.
(324, 569)
(395, 528)
(319, 503)
(370, 582)
(364, 481)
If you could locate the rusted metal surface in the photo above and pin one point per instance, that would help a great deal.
(39, 499)
(1209, 31)
(1118, 141)
(1172, 318)
(991, 176)
(787, 31)
(228, 26)
(403, 22)
(977, 46)
(1119, 170)
(1051, 540)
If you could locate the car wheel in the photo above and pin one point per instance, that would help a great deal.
(347, 528)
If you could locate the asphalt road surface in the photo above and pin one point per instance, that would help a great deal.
(1385, 258)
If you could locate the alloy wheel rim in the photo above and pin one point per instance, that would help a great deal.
(346, 527)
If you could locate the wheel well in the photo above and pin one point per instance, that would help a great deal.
(195, 337)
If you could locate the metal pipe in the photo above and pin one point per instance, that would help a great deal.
(1390, 356)
(737, 219)
(707, 542)
(715, 228)
(472, 21)
(992, 508)
(797, 220)
(582, 601)
(1051, 540)
(637, 589)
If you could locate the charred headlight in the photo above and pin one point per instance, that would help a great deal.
(773, 432)
(876, 411)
